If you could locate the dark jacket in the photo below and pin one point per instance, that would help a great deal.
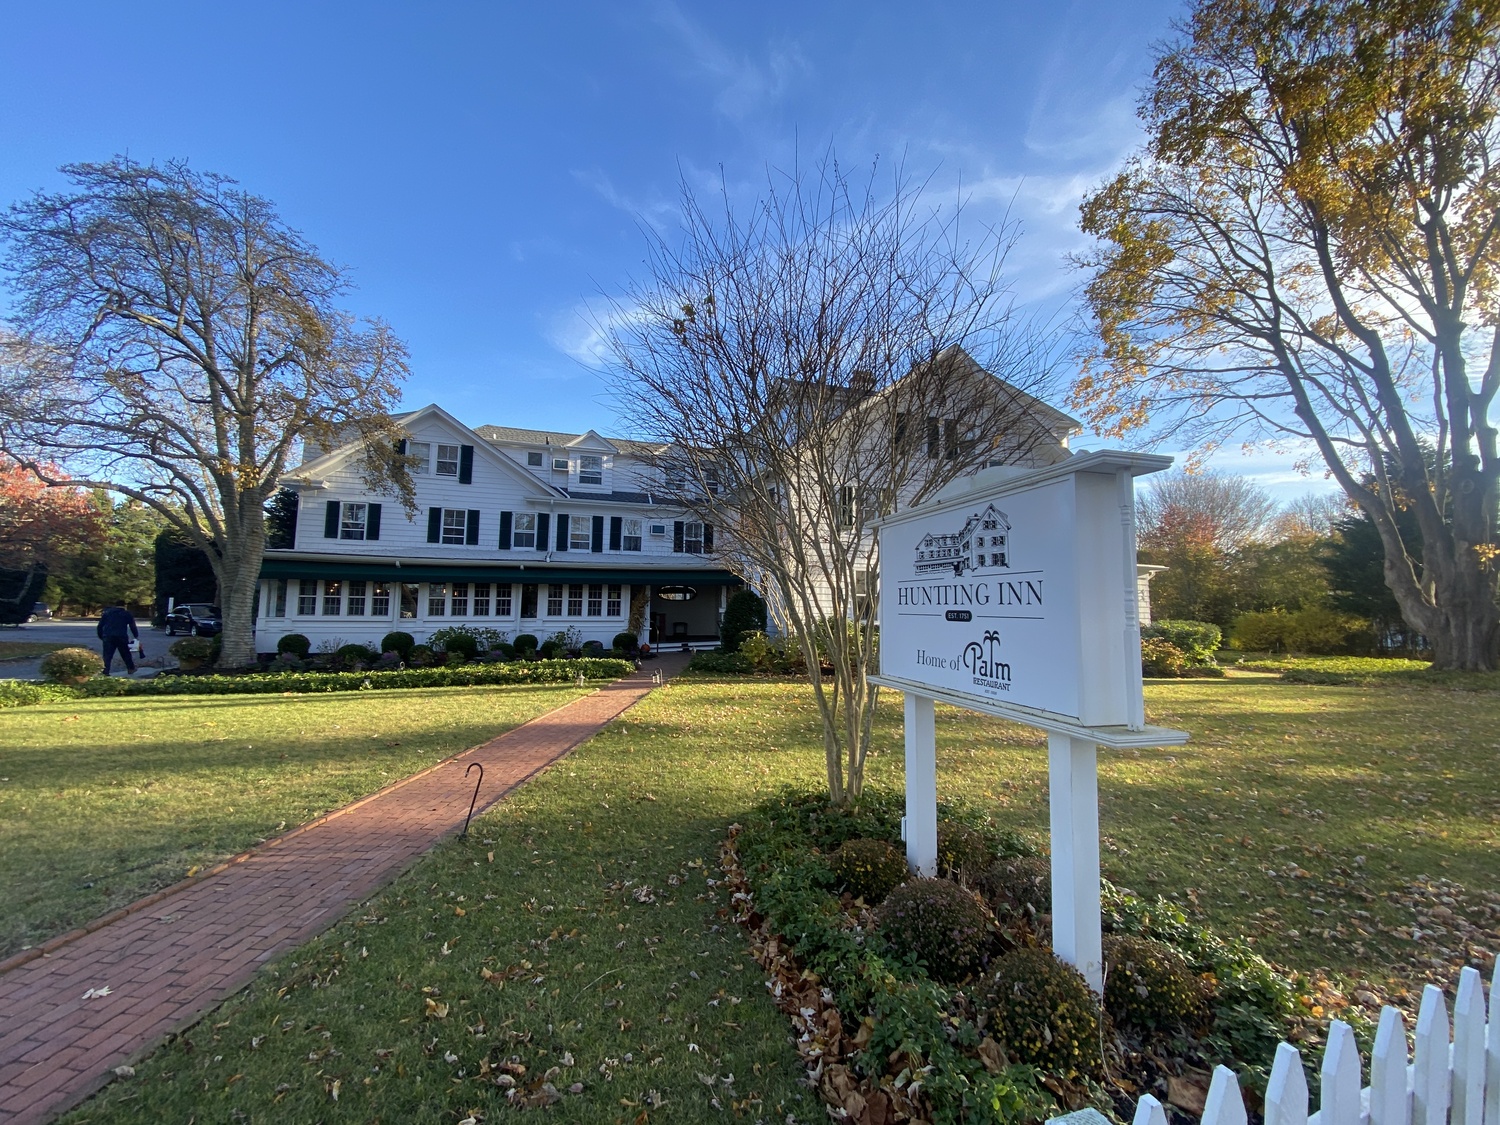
(117, 622)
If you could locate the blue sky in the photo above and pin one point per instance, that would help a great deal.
(485, 171)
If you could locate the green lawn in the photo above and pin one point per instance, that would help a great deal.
(26, 650)
(103, 801)
(593, 940)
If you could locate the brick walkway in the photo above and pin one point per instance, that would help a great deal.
(172, 956)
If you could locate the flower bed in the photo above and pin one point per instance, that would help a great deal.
(944, 1003)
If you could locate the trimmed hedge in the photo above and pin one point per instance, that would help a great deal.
(276, 683)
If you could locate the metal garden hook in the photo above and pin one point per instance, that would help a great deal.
(472, 800)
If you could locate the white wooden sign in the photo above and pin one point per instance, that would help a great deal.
(1014, 594)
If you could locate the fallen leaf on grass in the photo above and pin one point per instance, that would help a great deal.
(436, 1009)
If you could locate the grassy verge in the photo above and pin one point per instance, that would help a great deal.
(102, 801)
(26, 650)
(1300, 816)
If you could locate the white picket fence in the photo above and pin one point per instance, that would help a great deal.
(1458, 1075)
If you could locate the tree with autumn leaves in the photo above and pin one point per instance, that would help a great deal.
(1306, 251)
(40, 527)
(174, 341)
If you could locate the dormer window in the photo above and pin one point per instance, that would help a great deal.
(590, 469)
(534, 459)
(447, 461)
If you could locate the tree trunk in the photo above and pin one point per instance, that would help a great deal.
(1462, 623)
(239, 576)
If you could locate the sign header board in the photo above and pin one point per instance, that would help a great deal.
(1017, 596)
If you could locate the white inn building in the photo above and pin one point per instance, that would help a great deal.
(522, 531)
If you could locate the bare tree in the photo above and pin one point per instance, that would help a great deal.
(810, 364)
(174, 342)
(1225, 513)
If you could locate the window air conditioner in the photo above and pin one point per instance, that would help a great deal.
(658, 529)
(560, 464)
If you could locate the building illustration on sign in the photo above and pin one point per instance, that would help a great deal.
(981, 546)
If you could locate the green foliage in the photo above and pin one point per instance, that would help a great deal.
(71, 665)
(550, 649)
(720, 663)
(1020, 885)
(1317, 631)
(1148, 984)
(1162, 658)
(281, 520)
(1045, 1011)
(183, 573)
(939, 924)
(193, 651)
(455, 639)
(962, 852)
(113, 564)
(625, 642)
(1196, 640)
(25, 693)
(868, 869)
(782, 656)
(745, 613)
(398, 642)
(296, 645)
(347, 657)
(421, 656)
(525, 643)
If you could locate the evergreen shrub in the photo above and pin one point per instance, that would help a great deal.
(72, 665)
(939, 923)
(296, 644)
(398, 642)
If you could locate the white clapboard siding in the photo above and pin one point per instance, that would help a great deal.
(1451, 1078)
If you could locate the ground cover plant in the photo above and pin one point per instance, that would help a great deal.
(1367, 670)
(103, 801)
(1320, 823)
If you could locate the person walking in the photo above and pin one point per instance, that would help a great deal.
(116, 627)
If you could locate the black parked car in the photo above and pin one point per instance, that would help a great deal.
(195, 619)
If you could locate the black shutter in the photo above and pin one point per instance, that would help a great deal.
(372, 521)
(401, 448)
(562, 531)
(331, 520)
(505, 518)
(677, 536)
(596, 544)
(471, 532)
(708, 538)
(542, 521)
(434, 524)
(465, 464)
(615, 524)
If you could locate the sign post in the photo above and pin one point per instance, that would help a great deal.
(1013, 594)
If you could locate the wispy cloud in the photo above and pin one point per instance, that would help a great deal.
(744, 85)
(654, 212)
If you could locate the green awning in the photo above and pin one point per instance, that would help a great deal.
(429, 570)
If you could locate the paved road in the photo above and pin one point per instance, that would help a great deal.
(80, 632)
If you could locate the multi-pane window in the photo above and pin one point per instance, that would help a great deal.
(590, 469)
(502, 600)
(356, 607)
(675, 478)
(421, 454)
(437, 599)
(380, 600)
(554, 601)
(846, 506)
(711, 480)
(352, 521)
(933, 437)
(692, 537)
(596, 599)
(333, 596)
(481, 599)
(575, 599)
(455, 525)
(447, 461)
(612, 607)
(279, 593)
(523, 533)
(534, 458)
(307, 598)
(460, 606)
(950, 439)
(631, 539)
(580, 535)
